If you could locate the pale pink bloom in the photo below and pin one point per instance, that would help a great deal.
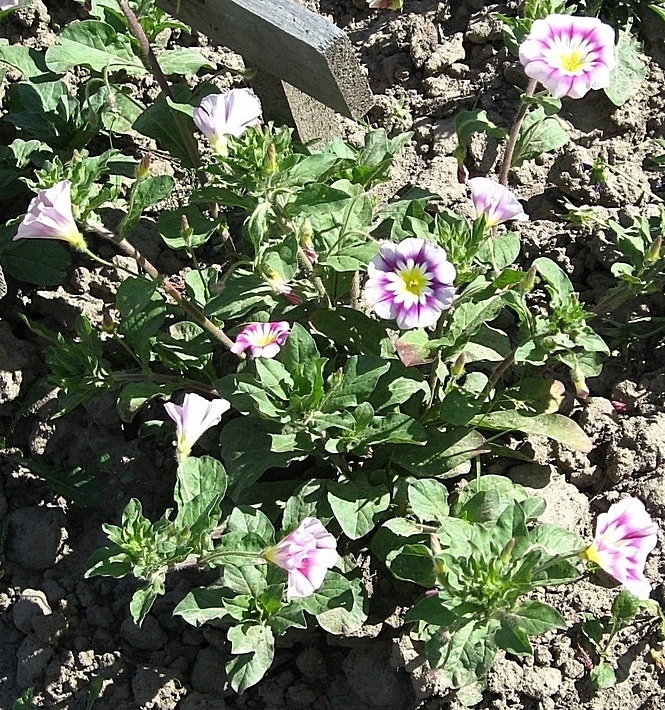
(306, 554)
(625, 535)
(569, 55)
(50, 216)
(264, 339)
(10, 4)
(386, 4)
(196, 415)
(232, 113)
(411, 282)
(495, 201)
(619, 406)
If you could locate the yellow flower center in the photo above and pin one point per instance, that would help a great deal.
(592, 555)
(265, 337)
(572, 60)
(414, 280)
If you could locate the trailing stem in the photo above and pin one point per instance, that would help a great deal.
(514, 133)
(194, 311)
(151, 60)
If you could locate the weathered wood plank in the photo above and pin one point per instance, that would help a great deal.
(286, 40)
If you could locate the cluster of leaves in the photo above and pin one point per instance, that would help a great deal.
(478, 556)
(248, 596)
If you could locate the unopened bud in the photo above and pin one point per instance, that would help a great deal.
(435, 543)
(143, 168)
(270, 161)
(305, 240)
(457, 369)
(653, 252)
(529, 280)
(579, 382)
(108, 324)
(186, 231)
(507, 551)
(462, 173)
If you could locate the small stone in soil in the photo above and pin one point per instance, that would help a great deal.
(35, 535)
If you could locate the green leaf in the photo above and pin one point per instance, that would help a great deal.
(135, 394)
(352, 329)
(593, 629)
(624, 606)
(513, 639)
(357, 505)
(142, 313)
(539, 134)
(246, 452)
(94, 45)
(356, 383)
(629, 72)
(202, 605)
(169, 224)
(183, 61)
(446, 454)
(412, 563)
(199, 489)
(247, 579)
(27, 60)
(602, 676)
(469, 122)
(145, 193)
(73, 483)
(535, 618)
(553, 426)
(143, 599)
(254, 648)
(308, 500)
(429, 500)
(35, 261)
(346, 612)
(109, 561)
(246, 519)
(334, 592)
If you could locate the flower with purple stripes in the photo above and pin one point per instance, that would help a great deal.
(495, 201)
(193, 418)
(50, 216)
(625, 535)
(263, 339)
(569, 55)
(410, 282)
(232, 113)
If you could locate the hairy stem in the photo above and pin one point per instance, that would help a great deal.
(150, 60)
(514, 134)
(316, 280)
(194, 311)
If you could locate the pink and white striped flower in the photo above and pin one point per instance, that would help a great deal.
(410, 282)
(50, 216)
(495, 201)
(625, 535)
(569, 55)
(306, 554)
(196, 415)
(232, 113)
(263, 339)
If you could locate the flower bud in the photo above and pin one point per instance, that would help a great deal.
(305, 240)
(507, 551)
(270, 160)
(186, 231)
(457, 369)
(653, 252)
(143, 168)
(108, 324)
(462, 173)
(579, 382)
(529, 280)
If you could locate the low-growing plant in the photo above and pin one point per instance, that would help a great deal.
(357, 354)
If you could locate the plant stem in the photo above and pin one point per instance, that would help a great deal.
(498, 371)
(151, 60)
(355, 291)
(194, 311)
(514, 134)
(166, 379)
(316, 280)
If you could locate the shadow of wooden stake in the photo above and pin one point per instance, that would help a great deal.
(307, 66)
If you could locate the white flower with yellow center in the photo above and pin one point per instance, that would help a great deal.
(410, 282)
(569, 55)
